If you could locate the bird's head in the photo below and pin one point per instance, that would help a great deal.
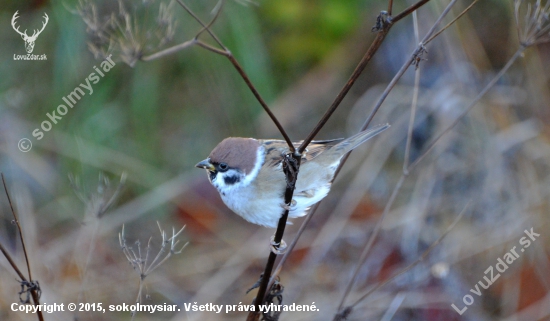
(234, 163)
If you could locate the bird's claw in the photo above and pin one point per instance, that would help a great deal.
(290, 207)
(307, 193)
(277, 248)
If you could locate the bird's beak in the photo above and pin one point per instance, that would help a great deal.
(206, 165)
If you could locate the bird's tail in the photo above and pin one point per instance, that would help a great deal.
(361, 137)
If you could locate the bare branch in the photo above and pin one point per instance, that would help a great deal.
(34, 293)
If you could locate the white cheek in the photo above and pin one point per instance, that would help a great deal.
(243, 180)
(220, 182)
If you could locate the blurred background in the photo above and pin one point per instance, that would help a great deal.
(155, 120)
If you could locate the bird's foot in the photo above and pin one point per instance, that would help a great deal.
(290, 207)
(256, 285)
(307, 193)
(277, 248)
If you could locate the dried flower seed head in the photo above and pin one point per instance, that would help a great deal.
(126, 30)
(532, 22)
(99, 202)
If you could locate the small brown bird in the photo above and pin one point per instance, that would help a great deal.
(248, 174)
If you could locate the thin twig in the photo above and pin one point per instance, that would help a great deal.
(343, 314)
(420, 259)
(370, 241)
(226, 53)
(219, 7)
(191, 42)
(141, 264)
(408, 11)
(170, 50)
(295, 156)
(205, 27)
(430, 147)
(356, 73)
(399, 184)
(215, 50)
(493, 81)
(16, 221)
(380, 36)
(411, 167)
(450, 23)
(12, 263)
(292, 245)
(394, 306)
(415, 54)
(414, 104)
(34, 293)
(390, 7)
(292, 166)
(256, 94)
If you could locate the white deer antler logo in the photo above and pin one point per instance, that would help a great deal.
(29, 41)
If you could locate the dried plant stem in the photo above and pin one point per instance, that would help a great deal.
(408, 11)
(414, 104)
(348, 309)
(415, 54)
(204, 26)
(291, 246)
(398, 186)
(138, 298)
(193, 41)
(34, 293)
(381, 35)
(224, 51)
(390, 7)
(170, 50)
(405, 174)
(291, 167)
(493, 81)
(414, 164)
(420, 259)
(84, 273)
(452, 22)
(371, 239)
(12, 263)
(394, 306)
(16, 221)
(141, 264)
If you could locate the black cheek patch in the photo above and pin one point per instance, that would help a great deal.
(230, 180)
(212, 175)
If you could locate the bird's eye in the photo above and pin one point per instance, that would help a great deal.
(223, 167)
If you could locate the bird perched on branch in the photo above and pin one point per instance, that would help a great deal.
(248, 174)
